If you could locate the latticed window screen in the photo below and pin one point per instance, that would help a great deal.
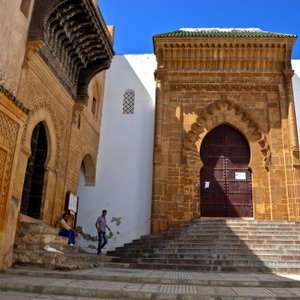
(128, 102)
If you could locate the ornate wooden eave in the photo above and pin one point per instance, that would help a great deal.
(77, 42)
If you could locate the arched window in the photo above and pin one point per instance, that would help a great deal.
(96, 99)
(128, 102)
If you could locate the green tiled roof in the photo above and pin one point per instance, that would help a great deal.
(223, 32)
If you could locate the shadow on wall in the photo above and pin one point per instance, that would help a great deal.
(296, 89)
(124, 163)
(220, 245)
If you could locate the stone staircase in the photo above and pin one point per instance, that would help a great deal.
(38, 244)
(222, 245)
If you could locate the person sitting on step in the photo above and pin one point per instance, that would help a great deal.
(66, 230)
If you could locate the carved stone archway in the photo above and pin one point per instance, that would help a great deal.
(218, 113)
(41, 115)
(223, 112)
(89, 170)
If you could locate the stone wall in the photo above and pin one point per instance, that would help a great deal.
(124, 168)
(14, 34)
(12, 119)
(31, 93)
(206, 82)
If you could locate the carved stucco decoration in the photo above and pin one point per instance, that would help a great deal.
(186, 55)
(213, 87)
(60, 129)
(8, 138)
(191, 144)
(77, 109)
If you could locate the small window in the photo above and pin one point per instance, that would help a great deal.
(79, 121)
(128, 102)
(94, 105)
(25, 7)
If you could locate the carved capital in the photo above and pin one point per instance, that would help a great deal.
(77, 109)
(288, 73)
(33, 47)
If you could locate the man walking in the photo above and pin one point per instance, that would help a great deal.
(101, 228)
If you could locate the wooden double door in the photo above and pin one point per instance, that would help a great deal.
(225, 177)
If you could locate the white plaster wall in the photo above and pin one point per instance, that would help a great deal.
(296, 89)
(124, 169)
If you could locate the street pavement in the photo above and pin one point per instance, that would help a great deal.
(112, 282)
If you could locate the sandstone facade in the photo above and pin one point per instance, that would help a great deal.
(241, 79)
(51, 98)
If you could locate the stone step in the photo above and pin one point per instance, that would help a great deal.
(216, 268)
(200, 268)
(204, 251)
(240, 262)
(130, 275)
(232, 244)
(45, 238)
(142, 284)
(232, 239)
(274, 247)
(262, 257)
(19, 247)
(213, 246)
(39, 245)
(39, 257)
(33, 228)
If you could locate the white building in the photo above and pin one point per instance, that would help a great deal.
(124, 166)
(296, 87)
(124, 170)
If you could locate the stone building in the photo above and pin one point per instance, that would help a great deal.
(214, 106)
(226, 142)
(209, 84)
(53, 57)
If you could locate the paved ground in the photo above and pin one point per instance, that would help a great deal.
(124, 283)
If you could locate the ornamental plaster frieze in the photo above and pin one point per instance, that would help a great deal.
(260, 50)
(254, 55)
(193, 138)
(217, 44)
(228, 87)
(9, 134)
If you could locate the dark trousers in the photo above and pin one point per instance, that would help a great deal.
(102, 240)
(69, 234)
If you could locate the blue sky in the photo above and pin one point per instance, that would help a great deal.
(136, 21)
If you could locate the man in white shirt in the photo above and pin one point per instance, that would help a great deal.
(101, 228)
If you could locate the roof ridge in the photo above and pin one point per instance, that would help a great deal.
(224, 32)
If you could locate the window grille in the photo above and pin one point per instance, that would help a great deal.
(128, 102)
